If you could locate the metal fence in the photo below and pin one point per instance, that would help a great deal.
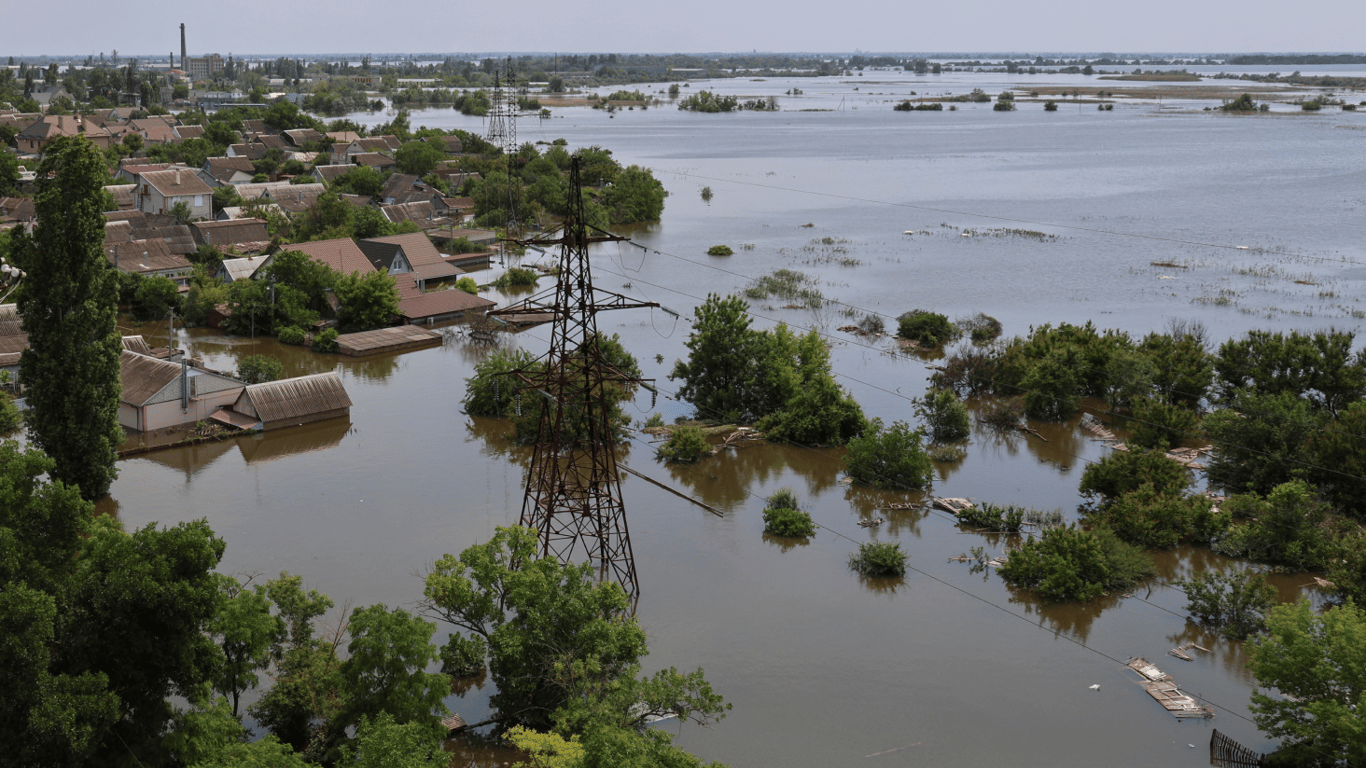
(1227, 753)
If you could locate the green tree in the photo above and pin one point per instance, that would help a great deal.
(156, 296)
(1234, 603)
(306, 692)
(944, 416)
(9, 172)
(1159, 424)
(367, 301)
(1291, 527)
(685, 445)
(716, 377)
(635, 195)
(1151, 518)
(491, 391)
(419, 158)
(1318, 366)
(1260, 440)
(561, 646)
(1183, 371)
(797, 389)
(1068, 563)
(68, 305)
(1337, 453)
(1317, 662)
(892, 458)
(363, 180)
(382, 742)
(244, 630)
(254, 369)
(1125, 471)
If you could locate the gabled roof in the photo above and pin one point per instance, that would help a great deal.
(257, 189)
(296, 198)
(144, 256)
(234, 163)
(176, 183)
(342, 138)
(228, 232)
(422, 255)
(373, 144)
(123, 195)
(360, 201)
(451, 144)
(256, 125)
(329, 173)
(15, 209)
(271, 141)
(423, 214)
(153, 130)
(342, 255)
(178, 237)
(189, 131)
(253, 151)
(374, 160)
(136, 344)
(298, 397)
(397, 185)
(235, 212)
(243, 269)
(144, 376)
(299, 136)
(416, 305)
(52, 126)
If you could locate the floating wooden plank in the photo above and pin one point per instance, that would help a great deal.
(902, 505)
(453, 722)
(954, 506)
(1146, 668)
(1180, 654)
(1095, 428)
(1164, 690)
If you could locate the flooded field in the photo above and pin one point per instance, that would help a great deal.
(1126, 218)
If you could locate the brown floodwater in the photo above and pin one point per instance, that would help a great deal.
(824, 668)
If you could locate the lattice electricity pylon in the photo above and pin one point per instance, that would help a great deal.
(503, 115)
(573, 488)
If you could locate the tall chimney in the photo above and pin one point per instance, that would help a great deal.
(182, 48)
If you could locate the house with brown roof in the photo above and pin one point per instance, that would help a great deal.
(413, 253)
(341, 254)
(342, 138)
(33, 138)
(154, 131)
(149, 258)
(234, 212)
(123, 196)
(326, 174)
(183, 132)
(298, 137)
(295, 198)
(221, 233)
(382, 144)
(451, 144)
(222, 171)
(15, 211)
(158, 394)
(291, 402)
(159, 191)
(250, 150)
(375, 160)
(131, 171)
(257, 125)
(416, 305)
(422, 214)
(230, 270)
(272, 141)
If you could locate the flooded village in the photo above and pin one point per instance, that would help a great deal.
(933, 409)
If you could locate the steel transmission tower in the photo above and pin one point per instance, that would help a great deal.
(573, 490)
(503, 114)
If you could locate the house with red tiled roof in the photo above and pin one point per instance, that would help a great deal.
(387, 145)
(149, 258)
(413, 253)
(252, 150)
(342, 255)
(223, 171)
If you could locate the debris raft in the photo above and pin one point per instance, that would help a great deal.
(953, 506)
(1164, 690)
(1093, 426)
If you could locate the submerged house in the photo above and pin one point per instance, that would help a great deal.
(158, 394)
(290, 402)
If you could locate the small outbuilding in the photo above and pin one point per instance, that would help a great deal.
(289, 402)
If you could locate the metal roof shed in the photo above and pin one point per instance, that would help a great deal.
(289, 402)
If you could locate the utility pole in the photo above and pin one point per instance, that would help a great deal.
(573, 488)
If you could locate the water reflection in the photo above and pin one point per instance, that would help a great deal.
(1229, 653)
(1071, 619)
(463, 685)
(306, 438)
(376, 368)
(785, 543)
(884, 586)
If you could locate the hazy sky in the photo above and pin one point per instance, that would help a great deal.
(84, 27)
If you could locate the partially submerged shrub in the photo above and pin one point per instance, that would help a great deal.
(1004, 413)
(255, 369)
(1007, 519)
(1156, 424)
(516, 276)
(970, 370)
(889, 458)
(879, 558)
(326, 341)
(784, 521)
(1152, 519)
(1052, 388)
(929, 329)
(943, 415)
(947, 454)
(686, 445)
(783, 498)
(1233, 603)
(292, 335)
(1069, 563)
(720, 250)
(1291, 527)
(1125, 471)
(1050, 106)
(872, 324)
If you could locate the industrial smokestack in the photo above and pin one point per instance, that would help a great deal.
(182, 47)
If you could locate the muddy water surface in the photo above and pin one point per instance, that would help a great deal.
(946, 665)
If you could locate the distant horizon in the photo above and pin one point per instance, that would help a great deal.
(479, 55)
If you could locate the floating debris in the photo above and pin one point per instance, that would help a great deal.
(1093, 426)
(1095, 687)
(871, 523)
(1164, 690)
(1181, 654)
(998, 561)
(953, 506)
(902, 505)
(453, 722)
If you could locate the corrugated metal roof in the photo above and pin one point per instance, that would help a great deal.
(136, 344)
(302, 396)
(243, 269)
(144, 376)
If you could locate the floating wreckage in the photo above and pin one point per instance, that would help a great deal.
(1164, 690)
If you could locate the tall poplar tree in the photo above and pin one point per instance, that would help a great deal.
(69, 302)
